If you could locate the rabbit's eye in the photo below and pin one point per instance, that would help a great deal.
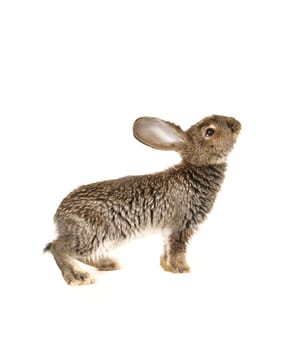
(209, 132)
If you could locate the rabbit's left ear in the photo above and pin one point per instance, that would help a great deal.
(158, 133)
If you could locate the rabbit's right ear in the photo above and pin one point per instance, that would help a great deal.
(158, 133)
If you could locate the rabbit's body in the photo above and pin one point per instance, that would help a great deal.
(95, 218)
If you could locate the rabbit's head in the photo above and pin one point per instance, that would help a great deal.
(207, 142)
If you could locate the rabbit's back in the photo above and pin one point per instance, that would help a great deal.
(131, 200)
(175, 199)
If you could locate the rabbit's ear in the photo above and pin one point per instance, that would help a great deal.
(158, 133)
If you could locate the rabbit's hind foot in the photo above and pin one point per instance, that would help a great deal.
(107, 264)
(104, 264)
(78, 278)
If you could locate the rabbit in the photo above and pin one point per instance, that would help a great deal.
(95, 218)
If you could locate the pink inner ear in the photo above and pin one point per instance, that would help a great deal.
(157, 133)
(164, 134)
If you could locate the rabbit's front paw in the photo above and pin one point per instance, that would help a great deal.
(176, 265)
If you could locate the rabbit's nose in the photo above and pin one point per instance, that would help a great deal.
(234, 125)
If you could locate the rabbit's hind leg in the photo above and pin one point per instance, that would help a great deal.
(70, 269)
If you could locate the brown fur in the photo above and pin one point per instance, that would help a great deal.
(94, 218)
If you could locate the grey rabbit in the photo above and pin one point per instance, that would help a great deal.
(97, 217)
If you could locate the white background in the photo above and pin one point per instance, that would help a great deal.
(74, 76)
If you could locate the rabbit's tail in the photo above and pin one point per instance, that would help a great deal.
(47, 247)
